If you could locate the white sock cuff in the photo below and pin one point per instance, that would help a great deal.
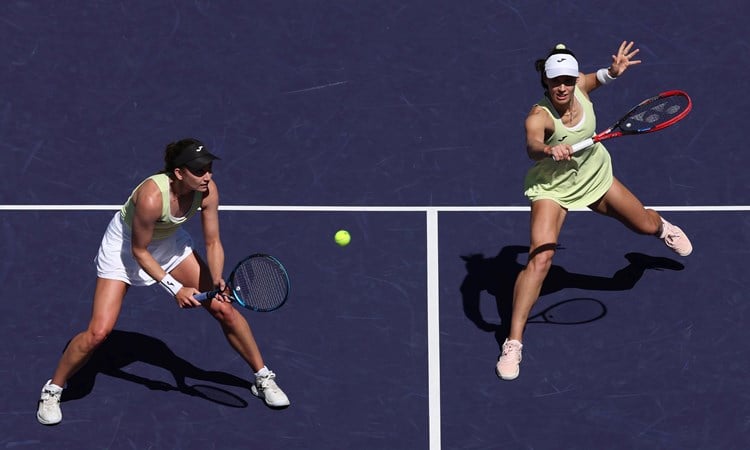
(53, 387)
(262, 372)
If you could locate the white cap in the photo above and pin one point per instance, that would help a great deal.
(561, 64)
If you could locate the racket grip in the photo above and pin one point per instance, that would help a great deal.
(203, 296)
(583, 144)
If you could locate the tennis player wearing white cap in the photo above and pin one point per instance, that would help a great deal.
(560, 180)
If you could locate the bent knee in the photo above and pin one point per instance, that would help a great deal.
(541, 262)
(223, 312)
(96, 336)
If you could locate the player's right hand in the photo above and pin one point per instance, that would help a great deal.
(185, 299)
(561, 152)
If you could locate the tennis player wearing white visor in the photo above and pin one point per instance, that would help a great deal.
(561, 179)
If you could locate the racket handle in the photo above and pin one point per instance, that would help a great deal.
(583, 144)
(203, 296)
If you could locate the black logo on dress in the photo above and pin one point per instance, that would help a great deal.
(562, 138)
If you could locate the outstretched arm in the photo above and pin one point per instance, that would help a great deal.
(620, 63)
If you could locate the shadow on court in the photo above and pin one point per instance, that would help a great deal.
(497, 276)
(123, 348)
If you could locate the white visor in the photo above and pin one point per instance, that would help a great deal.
(560, 65)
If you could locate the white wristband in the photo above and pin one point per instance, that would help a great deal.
(604, 77)
(171, 285)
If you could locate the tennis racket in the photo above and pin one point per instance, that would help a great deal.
(259, 283)
(653, 114)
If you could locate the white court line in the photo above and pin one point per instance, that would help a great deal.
(433, 274)
(301, 208)
(433, 330)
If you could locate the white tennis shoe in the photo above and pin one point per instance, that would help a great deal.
(48, 412)
(265, 387)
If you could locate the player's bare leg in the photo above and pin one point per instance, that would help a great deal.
(194, 272)
(621, 204)
(108, 297)
(547, 218)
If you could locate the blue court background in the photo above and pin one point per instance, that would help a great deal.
(360, 103)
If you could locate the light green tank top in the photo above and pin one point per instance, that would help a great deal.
(167, 224)
(582, 180)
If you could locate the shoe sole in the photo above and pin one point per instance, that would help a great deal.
(507, 377)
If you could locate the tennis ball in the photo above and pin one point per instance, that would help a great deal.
(560, 47)
(342, 237)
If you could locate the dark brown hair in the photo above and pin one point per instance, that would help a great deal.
(173, 149)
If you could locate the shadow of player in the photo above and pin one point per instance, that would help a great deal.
(497, 276)
(123, 348)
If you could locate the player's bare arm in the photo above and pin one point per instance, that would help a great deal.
(148, 205)
(621, 61)
(211, 235)
(538, 126)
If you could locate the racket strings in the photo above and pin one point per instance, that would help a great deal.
(261, 284)
(655, 113)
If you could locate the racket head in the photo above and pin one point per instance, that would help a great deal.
(259, 283)
(656, 113)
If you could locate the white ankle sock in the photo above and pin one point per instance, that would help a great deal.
(262, 372)
(53, 387)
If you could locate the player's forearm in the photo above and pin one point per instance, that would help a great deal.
(215, 256)
(537, 150)
(147, 262)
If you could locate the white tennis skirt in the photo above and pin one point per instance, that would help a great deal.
(115, 258)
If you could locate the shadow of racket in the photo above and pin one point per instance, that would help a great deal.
(574, 311)
(211, 393)
(215, 395)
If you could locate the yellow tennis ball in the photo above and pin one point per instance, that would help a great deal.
(342, 237)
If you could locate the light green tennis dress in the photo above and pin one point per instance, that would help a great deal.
(167, 224)
(582, 180)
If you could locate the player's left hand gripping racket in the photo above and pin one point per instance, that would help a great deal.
(259, 282)
(653, 114)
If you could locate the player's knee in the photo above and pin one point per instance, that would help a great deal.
(540, 263)
(96, 336)
(540, 258)
(223, 312)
